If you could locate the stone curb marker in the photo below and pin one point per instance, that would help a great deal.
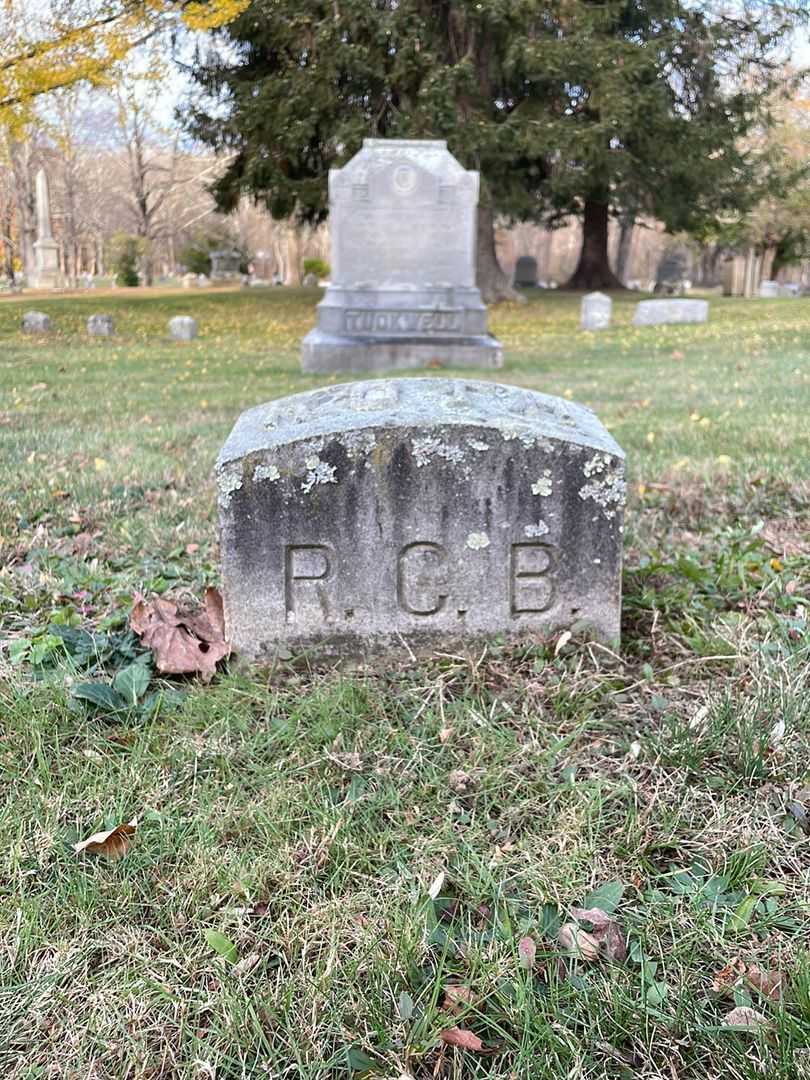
(657, 312)
(100, 325)
(407, 515)
(36, 322)
(403, 221)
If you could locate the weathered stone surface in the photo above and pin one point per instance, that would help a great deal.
(595, 311)
(769, 290)
(655, 312)
(183, 328)
(100, 325)
(418, 514)
(403, 219)
(526, 271)
(310, 281)
(36, 322)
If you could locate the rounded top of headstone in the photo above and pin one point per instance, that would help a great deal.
(423, 403)
(430, 155)
(596, 296)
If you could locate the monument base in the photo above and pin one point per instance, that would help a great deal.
(328, 353)
(47, 274)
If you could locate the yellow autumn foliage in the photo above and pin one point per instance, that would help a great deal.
(82, 41)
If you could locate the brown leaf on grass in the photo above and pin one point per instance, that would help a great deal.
(768, 983)
(578, 942)
(182, 644)
(743, 1016)
(606, 932)
(724, 980)
(111, 843)
(456, 1036)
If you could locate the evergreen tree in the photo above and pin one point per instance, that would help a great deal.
(570, 106)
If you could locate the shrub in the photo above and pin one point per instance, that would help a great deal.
(319, 267)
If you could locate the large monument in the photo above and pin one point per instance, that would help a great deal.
(46, 273)
(403, 218)
(414, 515)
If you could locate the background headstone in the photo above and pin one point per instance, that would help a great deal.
(310, 280)
(595, 311)
(418, 514)
(183, 328)
(526, 271)
(769, 290)
(655, 312)
(36, 322)
(403, 222)
(100, 325)
(46, 273)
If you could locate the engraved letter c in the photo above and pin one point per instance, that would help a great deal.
(419, 576)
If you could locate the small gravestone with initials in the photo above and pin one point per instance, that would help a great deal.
(413, 515)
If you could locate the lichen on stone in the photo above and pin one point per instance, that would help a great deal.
(533, 531)
(476, 541)
(229, 480)
(359, 443)
(425, 449)
(607, 487)
(266, 472)
(542, 486)
(320, 472)
(477, 444)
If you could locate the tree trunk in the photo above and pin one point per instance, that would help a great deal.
(492, 281)
(627, 224)
(593, 269)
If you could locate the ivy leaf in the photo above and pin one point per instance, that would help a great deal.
(221, 945)
(132, 683)
(102, 695)
(607, 897)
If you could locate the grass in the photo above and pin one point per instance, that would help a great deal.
(303, 815)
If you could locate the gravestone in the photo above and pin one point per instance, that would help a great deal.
(406, 515)
(225, 264)
(403, 221)
(656, 312)
(36, 322)
(595, 311)
(100, 326)
(526, 271)
(46, 273)
(310, 280)
(768, 290)
(189, 281)
(183, 328)
(789, 289)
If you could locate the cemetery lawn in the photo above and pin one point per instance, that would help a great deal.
(320, 855)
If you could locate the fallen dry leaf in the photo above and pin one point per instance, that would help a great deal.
(459, 781)
(768, 983)
(436, 887)
(606, 932)
(743, 1016)
(456, 998)
(111, 843)
(562, 641)
(578, 942)
(182, 644)
(457, 1036)
(726, 978)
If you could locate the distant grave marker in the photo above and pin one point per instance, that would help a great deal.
(183, 328)
(100, 326)
(656, 312)
(526, 271)
(36, 322)
(595, 311)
